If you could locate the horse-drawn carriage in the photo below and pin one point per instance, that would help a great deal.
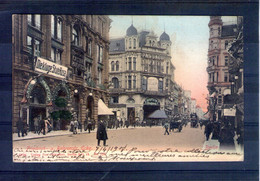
(176, 125)
(194, 120)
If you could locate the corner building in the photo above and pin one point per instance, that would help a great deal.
(219, 84)
(59, 56)
(141, 73)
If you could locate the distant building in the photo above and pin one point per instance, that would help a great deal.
(219, 84)
(59, 56)
(193, 105)
(142, 75)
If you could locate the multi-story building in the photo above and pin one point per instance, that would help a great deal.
(142, 74)
(219, 85)
(193, 105)
(59, 56)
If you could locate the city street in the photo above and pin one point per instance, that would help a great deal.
(141, 137)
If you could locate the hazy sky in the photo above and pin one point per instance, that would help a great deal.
(189, 36)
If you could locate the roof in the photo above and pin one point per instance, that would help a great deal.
(164, 36)
(158, 114)
(131, 31)
(117, 45)
(228, 30)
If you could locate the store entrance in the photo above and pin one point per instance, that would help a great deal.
(149, 109)
(35, 112)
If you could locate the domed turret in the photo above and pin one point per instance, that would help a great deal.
(131, 31)
(164, 36)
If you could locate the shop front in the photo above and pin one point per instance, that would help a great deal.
(150, 105)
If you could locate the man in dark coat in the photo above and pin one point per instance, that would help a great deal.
(208, 130)
(20, 126)
(101, 133)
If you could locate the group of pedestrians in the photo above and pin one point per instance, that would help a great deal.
(41, 125)
(22, 127)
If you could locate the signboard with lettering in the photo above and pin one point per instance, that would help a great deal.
(230, 112)
(151, 101)
(46, 66)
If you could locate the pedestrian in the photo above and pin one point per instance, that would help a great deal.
(75, 128)
(25, 127)
(42, 127)
(72, 126)
(46, 124)
(19, 126)
(208, 130)
(89, 126)
(101, 133)
(166, 127)
(36, 124)
(80, 126)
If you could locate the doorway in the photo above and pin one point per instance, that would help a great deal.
(35, 112)
(131, 115)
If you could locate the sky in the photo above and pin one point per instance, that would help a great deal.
(189, 36)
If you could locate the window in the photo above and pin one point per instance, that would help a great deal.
(226, 60)
(117, 65)
(226, 77)
(34, 20)
(226, 44)
(89, 47)
(130, 63)
(56, 55)
(134, 43)
(75, 36)
(211, 31)
(210, 77)
(34, 46)
(100, 54)
(134, 63)
(166, 83)
(126, 82)
(130, 43)
(56, 27)
(217, 60)
(114, 99)
(134, 82)
(129, 82)
(144, 83)
(213, 77)
(151, 66)
(217, 77)
(167, 67)
(112, 66)
(218, 30)
(99, 76)
(115, 82)
(160, 85)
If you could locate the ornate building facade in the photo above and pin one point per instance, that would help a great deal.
(219, 84)
(142, 75)
(59, 56)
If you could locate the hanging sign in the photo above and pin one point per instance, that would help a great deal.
(46, 66)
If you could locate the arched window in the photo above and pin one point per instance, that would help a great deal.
(38, 95)
(112, 66)
(134, 43)
(75, 35)
(56, 27)
(130, 43)
(117, 65)
(115, 82)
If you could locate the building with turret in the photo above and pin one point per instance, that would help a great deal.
(219, 84)
(142, 75)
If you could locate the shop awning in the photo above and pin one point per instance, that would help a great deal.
(103, 109)
(158, 114)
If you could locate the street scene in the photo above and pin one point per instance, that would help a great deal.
(127, 88)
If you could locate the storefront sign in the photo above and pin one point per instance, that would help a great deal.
(230, 112)
(46, 66)
(152, 84)
(151, 101)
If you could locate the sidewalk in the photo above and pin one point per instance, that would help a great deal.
(32, 135)
(214, 145)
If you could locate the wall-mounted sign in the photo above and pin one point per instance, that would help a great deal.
(46, 66)
(151, 101)
(230, 112)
